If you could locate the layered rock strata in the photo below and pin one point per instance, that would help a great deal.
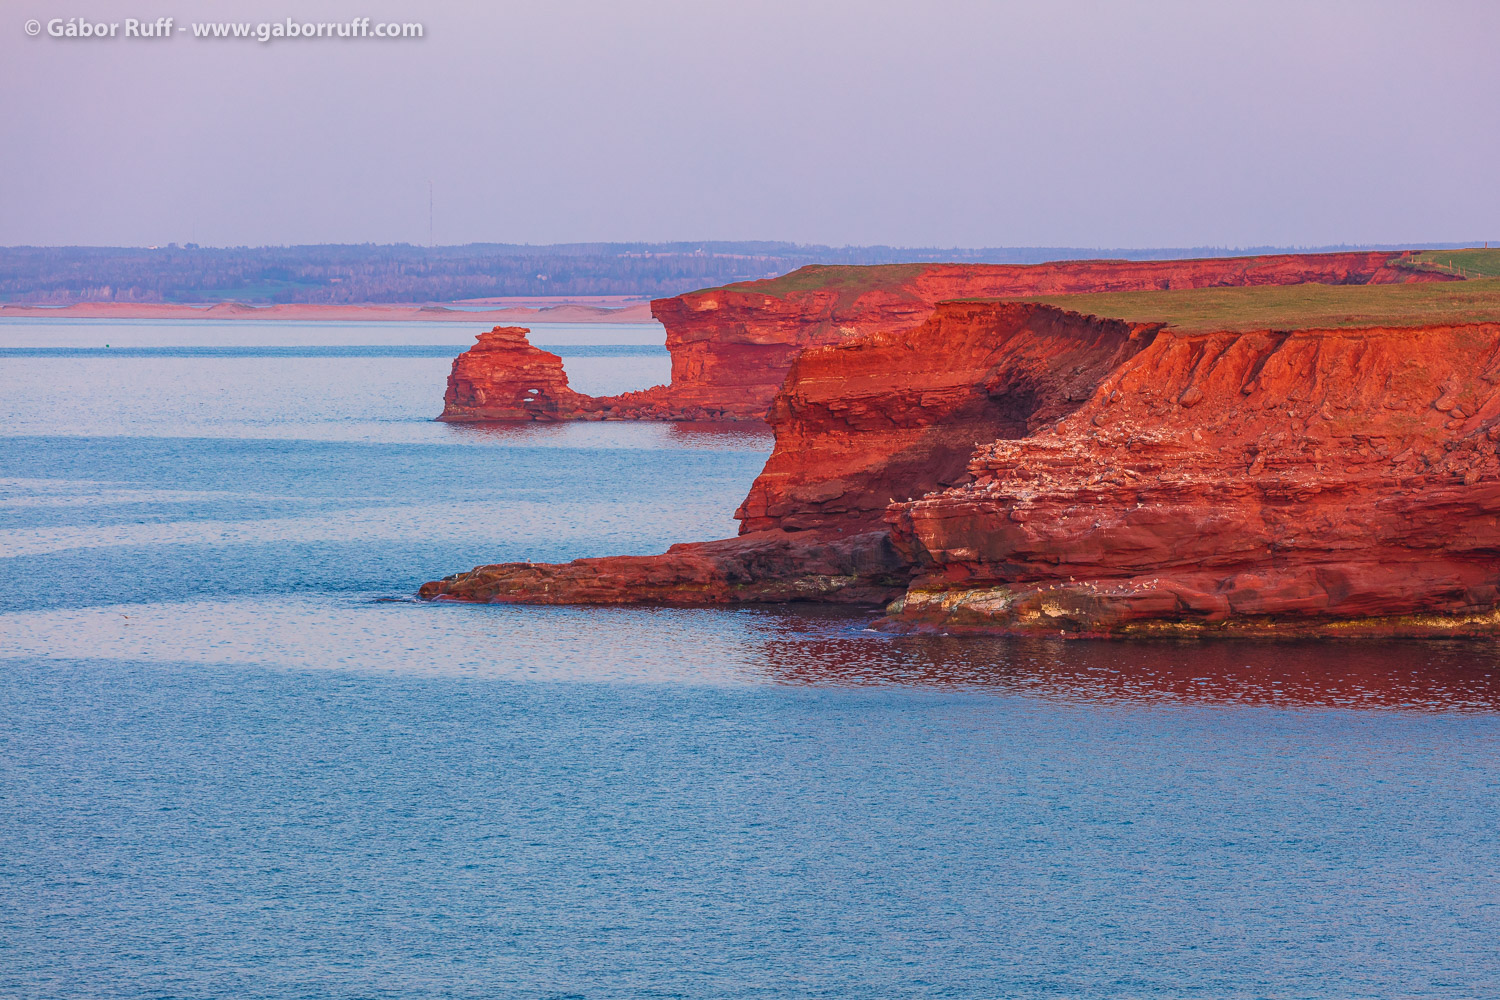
(1274, 483)
(893, 416)
(731, 347)
(1086, 476)
(858, 425)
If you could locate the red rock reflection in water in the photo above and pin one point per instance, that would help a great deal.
(1424, 676)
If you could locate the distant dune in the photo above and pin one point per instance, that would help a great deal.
(564, 312)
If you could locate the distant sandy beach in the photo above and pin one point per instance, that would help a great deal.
(565, 312)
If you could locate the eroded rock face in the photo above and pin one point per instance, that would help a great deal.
(732, 347)
(856, 425)
(1018, 468)
(506, 378)
(889, 415)
(893, 416)
(1135, 480)
(1264, 483)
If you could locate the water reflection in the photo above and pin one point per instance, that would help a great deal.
(721, 435)
(831, 648)
(802, 646)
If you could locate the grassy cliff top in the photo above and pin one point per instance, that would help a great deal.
(1293, 307)
(851, 280)
(1284, 307)
(847, 279)
(1473, 263)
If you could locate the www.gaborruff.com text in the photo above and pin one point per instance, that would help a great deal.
(260, 31)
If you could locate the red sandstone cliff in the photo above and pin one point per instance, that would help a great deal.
(1108, 478)
(1340, 480)
(891, 416)
(732, 347)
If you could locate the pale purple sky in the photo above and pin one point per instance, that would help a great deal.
(914, 123)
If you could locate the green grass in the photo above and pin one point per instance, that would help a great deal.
(1293, 307)
(1280, 307)
(1466, 263)
(847, 279)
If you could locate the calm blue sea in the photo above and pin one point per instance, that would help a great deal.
(238, 761)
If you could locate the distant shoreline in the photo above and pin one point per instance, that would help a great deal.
(564, 312)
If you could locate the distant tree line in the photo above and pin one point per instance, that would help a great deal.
(348, 274)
